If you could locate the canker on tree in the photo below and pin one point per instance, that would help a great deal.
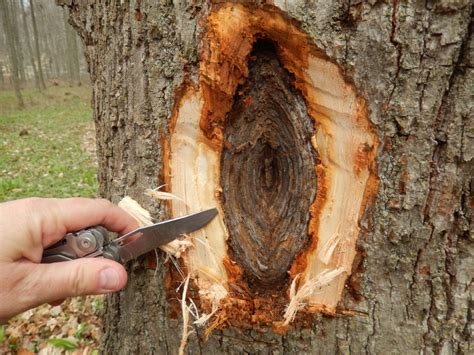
(277, 138)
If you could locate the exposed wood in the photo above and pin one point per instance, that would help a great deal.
(343, 141)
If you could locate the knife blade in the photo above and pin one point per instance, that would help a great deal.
(151, 237)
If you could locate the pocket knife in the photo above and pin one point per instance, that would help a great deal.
(94, 241)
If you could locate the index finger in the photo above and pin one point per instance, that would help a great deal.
(61, 216)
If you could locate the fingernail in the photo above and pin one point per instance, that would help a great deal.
(109, 279)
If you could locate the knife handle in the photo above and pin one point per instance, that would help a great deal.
(77, 245)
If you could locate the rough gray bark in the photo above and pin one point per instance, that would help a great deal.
(413, 62)
(12, 53)
(37, 48)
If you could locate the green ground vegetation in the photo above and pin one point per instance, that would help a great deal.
(47, 150)
(42, 149)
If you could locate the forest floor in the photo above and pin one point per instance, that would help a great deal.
(48, 150)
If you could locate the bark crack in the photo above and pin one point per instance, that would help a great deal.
(441, 118)
(422, 56)
(431, 294)
(455, 73)
(398, 48)
(413, 282)
(423, 89)
(196, 331)
(373, 330)
(465, 121)
(430, 314)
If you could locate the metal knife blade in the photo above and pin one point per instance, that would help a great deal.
(151, 237)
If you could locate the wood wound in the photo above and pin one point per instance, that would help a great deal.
(274, 136)
(267, 170)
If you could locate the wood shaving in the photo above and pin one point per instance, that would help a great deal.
(185, 311)
(309, 288)
(175, 248)
(162, 195)
(132, 207)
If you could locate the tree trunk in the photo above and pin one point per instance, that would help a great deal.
(16, 40)
(71, 52)
(37, 48)
(28, 45)
(8, 28)
(74, 53)
(409, 286)
(2, 79)
(53, 61)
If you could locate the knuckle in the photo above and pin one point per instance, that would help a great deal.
(78, 281)
(34, 211)
(104, 203)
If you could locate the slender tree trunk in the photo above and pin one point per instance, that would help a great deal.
(71, 52)
(37, 47)
(7, 27)
(28, 45)
(52, 62)
(74, 53)
(410, 287)
(2, 79)
(57, 67)
(17, 41)
(68, 49)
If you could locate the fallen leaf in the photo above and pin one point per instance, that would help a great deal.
(56, 310)
(66, 344)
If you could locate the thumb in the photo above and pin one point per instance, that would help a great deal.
(87, 276)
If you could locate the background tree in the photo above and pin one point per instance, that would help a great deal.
(2, 79)
(410, 287)
(3, 55)
(24, 19)
(16, 39)
(9, 31)
(72, 52)
(53, 42)
(37, 47)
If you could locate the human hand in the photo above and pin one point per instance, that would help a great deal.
(28, 226)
